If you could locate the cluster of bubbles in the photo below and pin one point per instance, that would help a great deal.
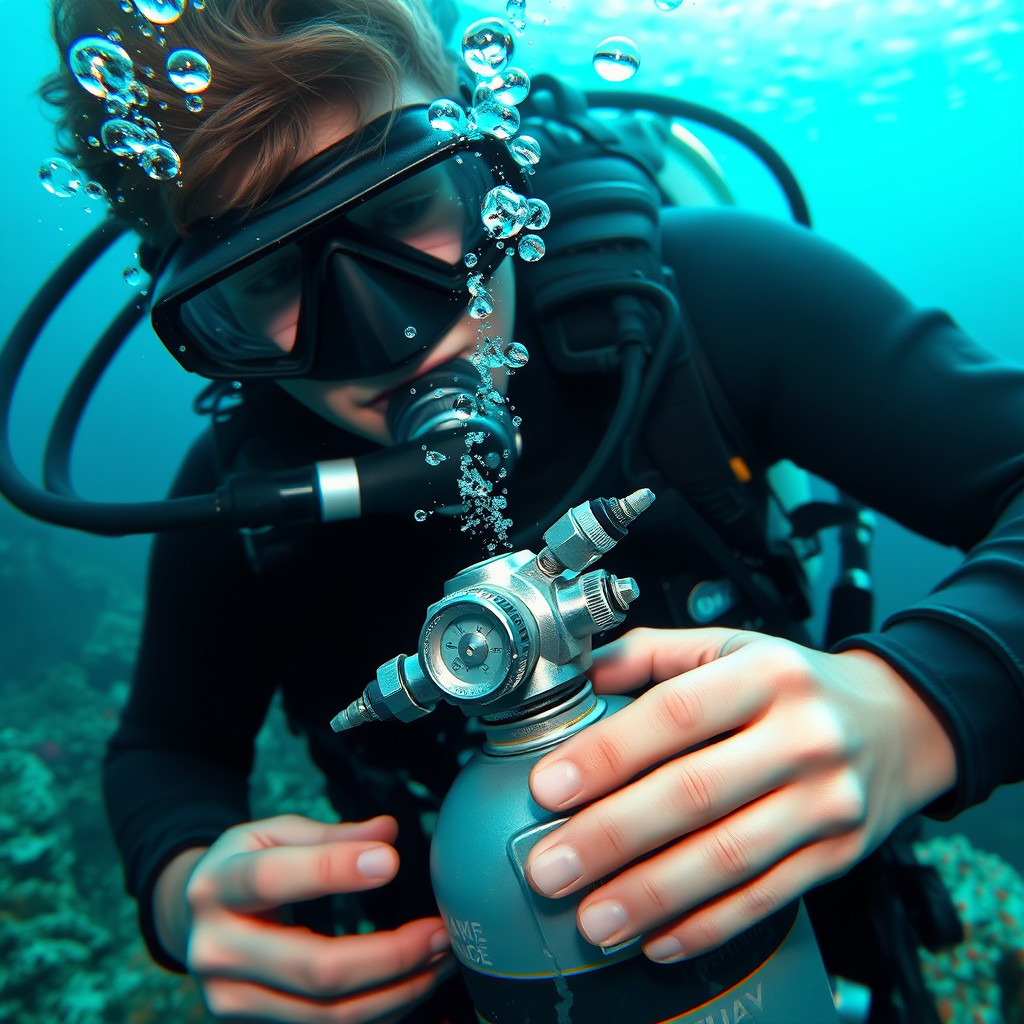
(483, 495)
(102, 66)
(512, 219)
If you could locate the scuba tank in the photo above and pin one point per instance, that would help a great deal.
(509, 643)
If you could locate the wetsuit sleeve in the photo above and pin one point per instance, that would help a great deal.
(825, 363)
(176, 769)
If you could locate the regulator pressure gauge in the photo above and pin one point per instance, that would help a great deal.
(477, 646)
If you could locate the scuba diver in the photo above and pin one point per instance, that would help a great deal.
(317, 253)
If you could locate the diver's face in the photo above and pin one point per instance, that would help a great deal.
(270, 302)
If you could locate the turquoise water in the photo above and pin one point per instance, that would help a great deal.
(903, 120)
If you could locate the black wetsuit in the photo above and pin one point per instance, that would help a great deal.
(821, 361)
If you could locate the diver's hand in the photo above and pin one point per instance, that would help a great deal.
(250, 967)
(815, 759)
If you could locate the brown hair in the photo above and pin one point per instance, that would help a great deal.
(273, 62)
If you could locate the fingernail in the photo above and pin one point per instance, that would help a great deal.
(668, 947)
(600, 921)
(439, 941)
(378, 862)
(556, 868)
(556, 784)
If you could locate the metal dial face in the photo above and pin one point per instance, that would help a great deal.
(475, 646)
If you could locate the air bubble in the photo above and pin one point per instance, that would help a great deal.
(616, 59)
(188, 70)
(668, 5)
(540, 214)
(125, 138)
(94, 190)
(517, 421)
(410, 332)
(132, 276)
(481, 306)
(160, 161)
(516, 11)
(101, 67)
(161, 12)
(118, 106)
(516, 356)
(470, 259)
(496, 119)
(60, 177)
(525, 150)
(487, 47)
(138, 94)
(511, 87)
(435, 458)
(503, 212)
(531, 248)
(447, 116)
(463, 407)
(194, 104)
(420, 516)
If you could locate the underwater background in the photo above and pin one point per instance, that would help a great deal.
(904, 123)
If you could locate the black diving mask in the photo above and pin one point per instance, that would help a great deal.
(356, 265)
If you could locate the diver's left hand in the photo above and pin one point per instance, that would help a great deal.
(809, 761)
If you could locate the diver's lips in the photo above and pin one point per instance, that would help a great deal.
(380, 403)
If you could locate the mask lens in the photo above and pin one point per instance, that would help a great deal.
(426, 212)
(252, 315)
(417, 229)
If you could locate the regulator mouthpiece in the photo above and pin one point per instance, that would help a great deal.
(441, 410)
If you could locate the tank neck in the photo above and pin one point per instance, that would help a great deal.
(544, 725)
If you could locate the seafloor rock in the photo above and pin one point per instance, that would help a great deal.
(70, 949)
(981, 980)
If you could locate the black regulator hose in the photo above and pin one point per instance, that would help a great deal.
(684, 109)
(57, 453)
(375, 483)
(635, 393)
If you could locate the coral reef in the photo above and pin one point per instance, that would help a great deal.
(980, 981)
(70, 948)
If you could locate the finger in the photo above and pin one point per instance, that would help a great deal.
(721, 919)
(739, 855)
(681, 796)
(295, 830)
(683, 711)
(646, 655)
(241, 1000)
(259, 880)
(306, 964)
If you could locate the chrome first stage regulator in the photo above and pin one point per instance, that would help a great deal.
(510, 642)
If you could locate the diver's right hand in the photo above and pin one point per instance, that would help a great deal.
(251, 967)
